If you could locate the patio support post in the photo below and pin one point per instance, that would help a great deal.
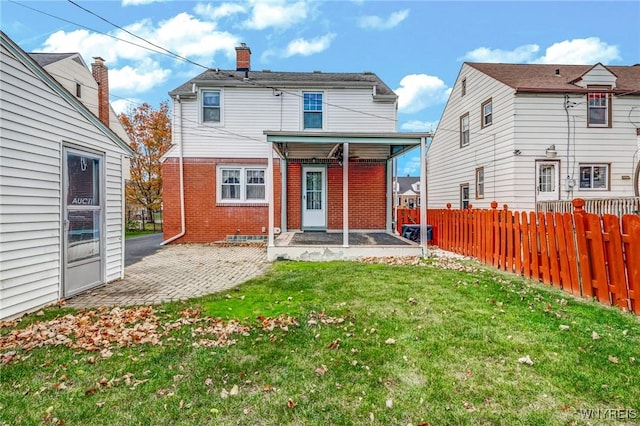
(390, 199)
(270, 194)
(345, 194)
(423, 196)
(283, 194)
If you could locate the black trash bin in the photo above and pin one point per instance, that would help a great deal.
(412, 232)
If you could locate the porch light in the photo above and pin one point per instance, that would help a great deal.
(551, 151)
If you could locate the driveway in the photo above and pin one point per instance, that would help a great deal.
(138, 247)
(178, 272)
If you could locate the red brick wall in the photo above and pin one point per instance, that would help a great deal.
(206, 221)
(367, 196)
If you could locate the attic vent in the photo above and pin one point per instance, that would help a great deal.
(367, 73)
(558, 72)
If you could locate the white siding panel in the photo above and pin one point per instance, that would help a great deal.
(248, 112)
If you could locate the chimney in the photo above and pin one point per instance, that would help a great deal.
(101, 74)
(243, 57)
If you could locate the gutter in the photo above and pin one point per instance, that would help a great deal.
(183, 225)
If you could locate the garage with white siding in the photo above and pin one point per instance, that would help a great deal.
(61, 190)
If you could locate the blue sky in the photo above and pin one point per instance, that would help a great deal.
(416, 47)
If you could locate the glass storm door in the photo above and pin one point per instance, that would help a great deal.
(314, 198)
(83, 218)
(547, 181)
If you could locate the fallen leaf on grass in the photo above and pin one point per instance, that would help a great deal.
(320, 371)
(595, 336)
(234, 390)
(334, 344)
(390, 341)
(291, 404)
(613, 359)
(564, 327)
(389, 403)
(268, 388)
(525, 360)
(224, 394)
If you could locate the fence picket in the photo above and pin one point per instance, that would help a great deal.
(596, 258)
(631, 234)
(526, 248)
(533, 239)
(554, 267)
(613, 252)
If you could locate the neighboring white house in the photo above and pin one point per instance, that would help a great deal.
(262, 151)
(522, 133)
(407, 192)
(61, 189)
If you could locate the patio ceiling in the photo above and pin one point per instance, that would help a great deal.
(326, 145)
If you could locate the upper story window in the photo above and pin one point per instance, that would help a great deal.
(463, 87)
(464, 130)
(211, 106)
(594, 176)
(238, 184)
(599, 108)
(487, 113)
(312, 110)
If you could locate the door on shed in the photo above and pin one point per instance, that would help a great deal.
(83, 256)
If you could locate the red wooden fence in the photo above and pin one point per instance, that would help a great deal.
(584, 254)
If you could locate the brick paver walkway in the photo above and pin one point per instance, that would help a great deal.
(178, 272)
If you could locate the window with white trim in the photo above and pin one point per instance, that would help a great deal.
(598, 108)
(464, 130)
(241, 184)
(312, 110)
(594, 176)
(487, 113)
(211, 106)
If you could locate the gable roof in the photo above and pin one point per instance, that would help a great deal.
(279, 80)
(406, 183)
(553, 78)
(44, 59)
(33, 66)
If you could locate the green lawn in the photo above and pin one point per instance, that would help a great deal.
(334, 343)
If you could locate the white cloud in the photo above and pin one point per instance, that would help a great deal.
(222, 11)
(577, 51)
(411, 165)
(419, 126)
(420, 91)
(143, 77)
(140, 2)
(304, 47)
(125, 105)
(378, 23)
(275, 13)
(521, 54)
(580, 51)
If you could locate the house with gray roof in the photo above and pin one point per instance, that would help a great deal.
(521, 134)
(268, 155)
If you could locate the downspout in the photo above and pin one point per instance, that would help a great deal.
(183, 227)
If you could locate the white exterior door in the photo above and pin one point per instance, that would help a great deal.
(83, 217)
(314, 198)
(547, 180)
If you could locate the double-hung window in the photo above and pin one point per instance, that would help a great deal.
(464, 130)
(464, 196)
(487, 113)
(594, 176)
(211, 106)
(241, 184)
(312, 110)
(599, 108)
(480, 182)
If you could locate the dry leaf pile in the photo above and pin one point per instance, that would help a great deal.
(103, 329)
(391, 260)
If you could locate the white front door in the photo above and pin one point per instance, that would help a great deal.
(547, 180)
(314, 198)
(83, 217)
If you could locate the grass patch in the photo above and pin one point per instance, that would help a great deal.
(374, 344)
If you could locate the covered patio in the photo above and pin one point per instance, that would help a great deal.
(318, 171)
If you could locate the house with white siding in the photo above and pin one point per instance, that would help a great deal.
(523, 133)
(265, 154)
(62, 174)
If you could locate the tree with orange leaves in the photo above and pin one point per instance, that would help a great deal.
(150, 134)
